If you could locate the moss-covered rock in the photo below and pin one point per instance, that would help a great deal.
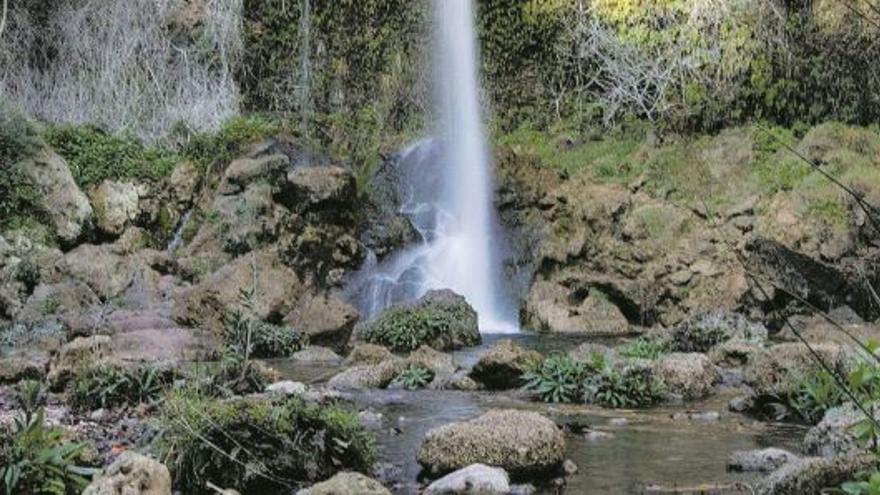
(522, 443)
(440, 319)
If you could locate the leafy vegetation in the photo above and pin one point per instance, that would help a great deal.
(559, 378)
(18, 139)
(644, 348)
(94, 155)
(107, 386)
(258, 446)
(256, 339)
(214, 150)
(814, 393)
(36, 458)
(869, 486)
(407, 329)
(415, 377)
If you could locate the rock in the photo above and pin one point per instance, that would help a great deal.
(434, 360)
(813, 474)
(690, 376)
(588, 350)
(169, 345)
(132, 474)
(775, 369)
(569, 467)
(316, 354)
(522, 443)
(421, 320)
(184, 181)
(702, 333)
(834, 435)
(319, 187)
(76, 356)
(286, 388)
(503, 366)
(67, 299)
(549, 307)
(368, 376)
(347, 484)
(107, 273)
(474, 479)
(325, 320)
(240, 173)
(206, 304)
(764, 460)
(23, 365)
(367, 354)
(455, 381)
(734, 353)
(116, 204)
(59, 196)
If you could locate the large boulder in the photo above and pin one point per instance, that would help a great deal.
(368, 376)
(347, 484)
(59, 196)
(812, 475)
(522, 443)
(503, 366)
(319, 187)
(549, 308)
(325, 320)
(690, 376)
(132, 474)
(477, 479)
(440, 319)
(105, 271)
(116, 204)
(367, 354)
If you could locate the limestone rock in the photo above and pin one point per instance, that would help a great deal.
(59, 196)
(76, 356)
(476, 479)
(316, 354)
(690, 376)
(503, 366)
(23, 365)
(764, 460)
(184, 181)
(319, 187)
(347, 484)
(813, 474)
(367, 354)
(324, 320)
(116, 204)
(834, 435)
(132, 474)
(549, 307)
(243, 171)
(368, 376)
(522, 443)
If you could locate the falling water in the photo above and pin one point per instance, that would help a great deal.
(446, 192)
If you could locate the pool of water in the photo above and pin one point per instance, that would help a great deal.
(641, 451)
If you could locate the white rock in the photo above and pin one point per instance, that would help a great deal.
(476, 478)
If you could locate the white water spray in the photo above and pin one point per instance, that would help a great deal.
(447, 194)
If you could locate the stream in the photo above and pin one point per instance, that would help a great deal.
(657, 450)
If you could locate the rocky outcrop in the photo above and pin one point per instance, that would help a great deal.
(59, 196)
(703, 332)
(522, 443)
(689, 376)
(116, 205)
(77, 356)
(132, 474)
(440, 319)
(319, 187)
(324, 319)
(347, 484)
(23, 365)
(474, 479)
(549, 307)
(503, 366)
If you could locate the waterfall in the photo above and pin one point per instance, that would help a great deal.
(446, 191)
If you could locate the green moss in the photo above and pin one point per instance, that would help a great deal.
(259, 446)
(95, 156)
(214, 151)
(18, 196)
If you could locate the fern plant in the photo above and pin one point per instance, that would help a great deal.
(415, 377)
(560, 378)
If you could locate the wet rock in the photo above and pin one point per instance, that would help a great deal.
(76, 356)
(434, 360)
(813, 474)
(371, 419)
(58, 195)
(23, 365)
(326, 320)
(522, 443)
(834, 435)
(116, 205)
(734, 353)
(690, 376)
(286, 388)
(569, 467)
(368, 376)
(367, 354)
(474, 479)
(454, 381)
(764, 460)
(440, 319)
(132, 473)
(347, 484)
(502, 367)
(316, 354)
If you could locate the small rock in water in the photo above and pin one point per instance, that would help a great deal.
(98, 415)
(371, 419)
(764, 460)
(527, 489)
(476, 478)
(569, 467)
(706, 416)
(286, 388)
(595, 435)
(618, 421)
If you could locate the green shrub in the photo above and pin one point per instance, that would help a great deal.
(415, 377)
(406, 329)
(37, 459)
(95, 156)
(812, 394)
(215, 150)
(632, 386)
(644, 348)
(870, 485)
(559, 378)
(18, 139)
(256, 339)
(107, 386)
(259, 446)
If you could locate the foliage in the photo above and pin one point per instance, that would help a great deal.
(215, 150)
(107, 386)
(37, 459)
(18, 139)
(868, 486)
(631, 386)
(644, 348)
(814, 393)
(256, 339)
(94, 155)
(407, 329)
(415, 377)
(559, 378)
(259, 446)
